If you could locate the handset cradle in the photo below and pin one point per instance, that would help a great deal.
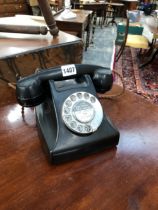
(70, 118)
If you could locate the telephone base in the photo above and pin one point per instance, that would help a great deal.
(60, 141)
(71, 146)
(69, 116)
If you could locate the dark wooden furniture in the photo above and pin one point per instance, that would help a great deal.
(44, 51)
(79, 25)
(76, 26)
(113, 8)
(48, 17)
(94, 6)
(57, 4)
(118, 178)
(13, 7)
(130, 4)
(98, 9)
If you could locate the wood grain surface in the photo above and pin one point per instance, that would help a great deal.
(121, 178)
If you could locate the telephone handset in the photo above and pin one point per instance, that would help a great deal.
(70, 118)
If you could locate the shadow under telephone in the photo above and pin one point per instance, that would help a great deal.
(70, 118)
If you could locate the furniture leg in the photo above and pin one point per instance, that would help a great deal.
(42, 60)
(13, 67)
(113, 19)
(10, 84)
(149, 59)
(94, 21)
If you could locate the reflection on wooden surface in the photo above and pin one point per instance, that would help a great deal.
(119, 178)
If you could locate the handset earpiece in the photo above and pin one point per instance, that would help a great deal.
(102, 80)
(29, 91)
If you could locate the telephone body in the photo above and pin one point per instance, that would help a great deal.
(69, 117)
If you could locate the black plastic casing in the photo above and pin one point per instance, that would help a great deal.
(59, 143)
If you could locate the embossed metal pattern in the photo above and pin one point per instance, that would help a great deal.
(82, 113)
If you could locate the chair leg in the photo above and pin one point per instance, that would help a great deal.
(150, 58)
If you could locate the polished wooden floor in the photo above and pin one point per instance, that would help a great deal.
(122, 178)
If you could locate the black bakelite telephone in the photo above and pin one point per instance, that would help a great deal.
(69, 116)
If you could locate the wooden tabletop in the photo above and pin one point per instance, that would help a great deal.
(129, 0)
(122, 178)
(81, 16)
(94, 3)
(13, 44)
(115, 4)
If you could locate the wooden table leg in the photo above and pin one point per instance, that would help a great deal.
(13, 67)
